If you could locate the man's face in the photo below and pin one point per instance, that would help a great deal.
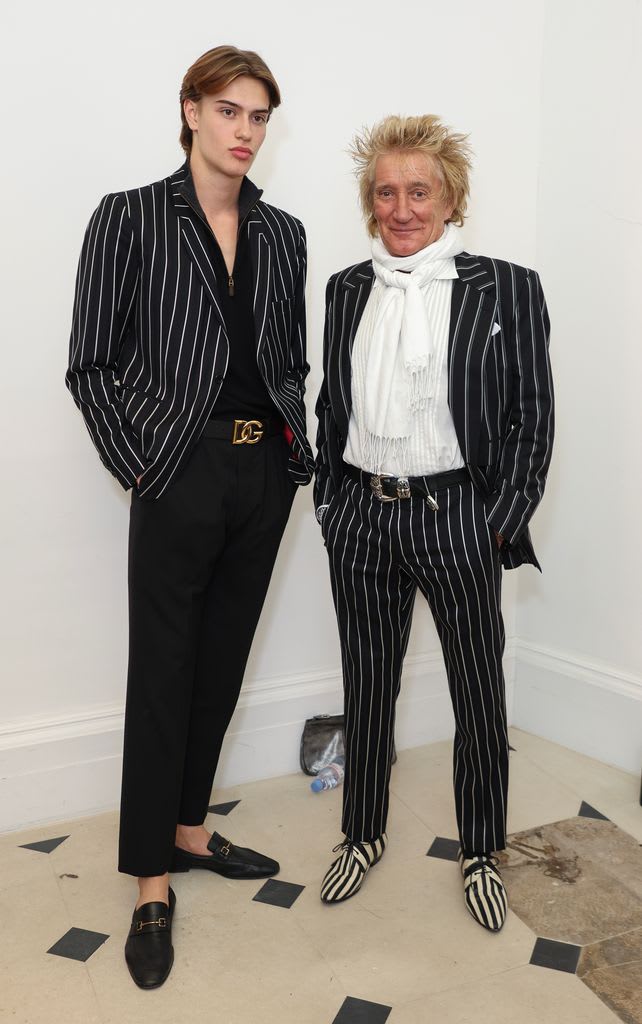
(409, 213)
(228, 128)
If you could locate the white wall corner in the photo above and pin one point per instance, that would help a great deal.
(590, 707)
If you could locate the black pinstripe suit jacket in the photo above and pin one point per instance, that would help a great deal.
(500, 389)
(149, 349)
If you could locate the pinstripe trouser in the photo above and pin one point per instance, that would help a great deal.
(379, 554)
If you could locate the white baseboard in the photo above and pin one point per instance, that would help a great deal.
(68, 767)
(592, 708)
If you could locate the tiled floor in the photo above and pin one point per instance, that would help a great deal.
(403, 951)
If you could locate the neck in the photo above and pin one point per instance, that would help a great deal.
(217, 193)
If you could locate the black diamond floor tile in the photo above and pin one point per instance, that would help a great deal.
(45, 845)
(78, 944)
(279, 894)
(559, 956)
(445, 849)
(360, 1011)
(586, 811)
(223, 808)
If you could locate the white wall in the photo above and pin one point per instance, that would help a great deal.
(579, 675)
(91, 98)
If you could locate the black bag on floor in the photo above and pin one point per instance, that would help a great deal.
(322, 741)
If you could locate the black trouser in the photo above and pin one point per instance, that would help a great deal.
(200, 561)
(380, 553)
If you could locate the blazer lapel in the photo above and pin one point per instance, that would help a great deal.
(473, 314)
(350, 304)
(196, 234)
(262, 258)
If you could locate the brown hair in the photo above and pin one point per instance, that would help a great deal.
(214, 71)
(448, 151)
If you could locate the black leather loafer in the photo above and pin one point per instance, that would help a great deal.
(148, 951)
(226, 859)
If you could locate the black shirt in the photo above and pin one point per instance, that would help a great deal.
(243, 394)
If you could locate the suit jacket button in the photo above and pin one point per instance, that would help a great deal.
(218, 378)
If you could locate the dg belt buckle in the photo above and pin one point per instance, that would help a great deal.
(247, 431)
(402, 485)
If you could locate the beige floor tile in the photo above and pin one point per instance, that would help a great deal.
(599, 784)
(47, 990)
(422, 779)
(33, 918)
(527, 995)
(629, 817)
(23, 866)
(407, 932)
(535, 797)
(405, 940)
(252, 966)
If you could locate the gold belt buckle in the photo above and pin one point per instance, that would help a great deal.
(247, 431)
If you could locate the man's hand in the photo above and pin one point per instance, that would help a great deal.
(138, 479)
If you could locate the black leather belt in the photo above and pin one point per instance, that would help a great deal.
(243, 431)
(391, 488)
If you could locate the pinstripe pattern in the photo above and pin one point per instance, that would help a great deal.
(345, 876)
(149, 349)
(484, 891)
(380, 554)
(500, 398)
(500, 388)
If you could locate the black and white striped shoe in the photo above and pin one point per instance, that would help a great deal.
(484, 890)
(346, 874)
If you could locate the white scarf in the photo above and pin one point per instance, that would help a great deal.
(394, 342)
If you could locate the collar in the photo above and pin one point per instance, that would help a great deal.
(470, 269)
(183, 185)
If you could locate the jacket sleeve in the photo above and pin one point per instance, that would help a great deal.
(106, 285)
(527, 448)
(297, 362)
(298, 369)
(326, 431)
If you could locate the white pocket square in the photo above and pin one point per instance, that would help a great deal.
(496, 329)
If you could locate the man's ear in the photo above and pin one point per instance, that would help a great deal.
(190, 109)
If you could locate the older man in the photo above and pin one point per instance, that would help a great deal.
(435, 434)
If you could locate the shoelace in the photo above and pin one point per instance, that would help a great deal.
(479, 864)
(345, 844)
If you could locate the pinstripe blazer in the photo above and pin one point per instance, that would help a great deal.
(149, 349)
(499, 388)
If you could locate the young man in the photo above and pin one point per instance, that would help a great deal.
(188, 365)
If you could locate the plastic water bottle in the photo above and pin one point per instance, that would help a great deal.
(330, 776)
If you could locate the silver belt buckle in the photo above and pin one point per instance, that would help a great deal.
(377, 489)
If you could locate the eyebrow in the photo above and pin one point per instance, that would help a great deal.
(239, 106)
(412, 184)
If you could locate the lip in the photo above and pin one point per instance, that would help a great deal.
(241, 152)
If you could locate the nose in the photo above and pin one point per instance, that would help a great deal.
(243, 130)
(402, 211)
